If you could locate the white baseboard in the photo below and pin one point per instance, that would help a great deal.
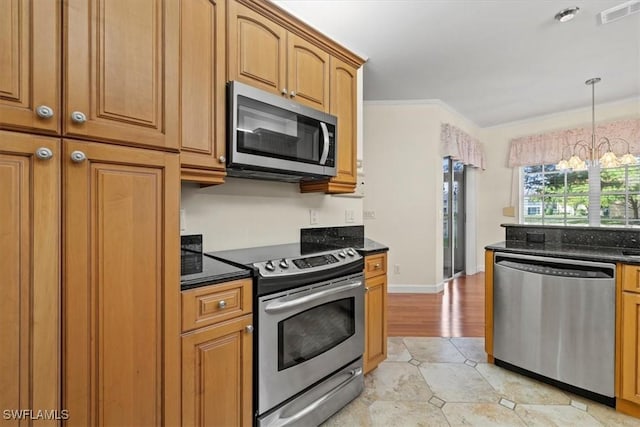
(415, 289)
(481, 267)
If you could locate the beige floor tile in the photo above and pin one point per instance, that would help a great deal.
(609, 416)
(555, 415)
(396, 350)
(354, 414)
(397, 381)
(405, 414)
(433, 350)
(471, 348)
(519, 388)
(457, 382)
(480, 414)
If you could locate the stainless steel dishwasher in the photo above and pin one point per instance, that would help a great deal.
(554, 319)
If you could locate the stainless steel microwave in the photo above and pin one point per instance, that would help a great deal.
(272, 137)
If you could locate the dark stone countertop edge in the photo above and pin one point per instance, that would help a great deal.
(371, 247)
(605, 228)
(215, 279)
(587, 253)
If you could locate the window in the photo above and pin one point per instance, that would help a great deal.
(551, 196)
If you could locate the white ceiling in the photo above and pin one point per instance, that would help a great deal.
(493, 61)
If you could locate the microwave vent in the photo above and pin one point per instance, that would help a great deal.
(620, 11)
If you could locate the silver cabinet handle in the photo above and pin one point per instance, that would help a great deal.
(222, 304)
(222, 159)
(78, 117)
(293, 94)
(78, 157)
(44, 112)
(284, 90)
(249, 329)
(43, 153)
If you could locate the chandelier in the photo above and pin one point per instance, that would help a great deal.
(583, 151)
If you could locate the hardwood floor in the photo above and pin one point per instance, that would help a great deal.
(458, 311)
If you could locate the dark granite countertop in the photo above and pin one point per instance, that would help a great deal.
(203, 270)
(326, 238)
(570, 251)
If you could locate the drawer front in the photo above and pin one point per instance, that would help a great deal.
(211, 304)
(631, 278)
(375, 265)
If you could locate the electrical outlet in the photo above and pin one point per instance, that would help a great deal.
(396, 269)
(313, 217)
(369, 214)
(349, 216)
(183, 220)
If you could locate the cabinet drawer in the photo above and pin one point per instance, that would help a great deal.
(211, 304)
(631, 278)
(375, 265)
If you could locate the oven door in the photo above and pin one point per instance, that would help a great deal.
(306, 334)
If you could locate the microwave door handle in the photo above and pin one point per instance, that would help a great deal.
(325, 146)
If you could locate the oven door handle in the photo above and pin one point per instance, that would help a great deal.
(279, 305)
(353, 374)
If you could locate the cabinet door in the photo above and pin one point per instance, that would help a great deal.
(122, 71)
(30, 33)
(29, 272)
(121, 312)
(344, 105)
(375, 343)
(202, 76)
(630, 377)
(257, 49)
(216, 375)
(308, 73)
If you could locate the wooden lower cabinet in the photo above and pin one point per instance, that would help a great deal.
(217, 374)
(121, 335)
(375, 306)
(630, 352)
(29, 274)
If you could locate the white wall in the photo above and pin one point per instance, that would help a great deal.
(403, 168)
(243, 213)
(494, 183)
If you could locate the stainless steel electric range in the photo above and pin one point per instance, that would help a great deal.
(309, 331)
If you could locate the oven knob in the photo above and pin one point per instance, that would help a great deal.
(350, 252)
(341, 254)
(269, 266)
(283, 263)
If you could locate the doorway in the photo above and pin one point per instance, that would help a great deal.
(454, 214)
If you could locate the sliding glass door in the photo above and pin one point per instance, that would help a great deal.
(454, 213)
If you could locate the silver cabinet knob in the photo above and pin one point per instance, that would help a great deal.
(78, 157)
(222, 159)
(44, 112)
(292, 94)
(284, 90)
(222, 304)
(249, 329)
(78, 117)
(366, 289)
(43, 153)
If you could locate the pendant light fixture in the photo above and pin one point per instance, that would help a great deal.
(590, 151)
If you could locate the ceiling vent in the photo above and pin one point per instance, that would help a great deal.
(620, 11)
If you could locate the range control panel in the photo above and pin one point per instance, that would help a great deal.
(307, 264)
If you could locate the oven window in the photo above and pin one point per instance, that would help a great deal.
(305, 335)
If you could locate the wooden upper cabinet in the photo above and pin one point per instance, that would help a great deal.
(308, 73)
(30, 34)
(343, 105)
(257, 49)
(121, 81)
(121, 360)
(29, 274)
(202, 77)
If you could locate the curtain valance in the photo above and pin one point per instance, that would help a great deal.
(547, 148)
(461, 146)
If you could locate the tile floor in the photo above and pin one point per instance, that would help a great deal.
(446, 382)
